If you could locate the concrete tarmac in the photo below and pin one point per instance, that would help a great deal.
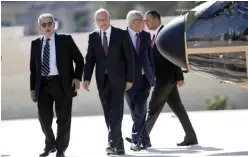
(220, 133)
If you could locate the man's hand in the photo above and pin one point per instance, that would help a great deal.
(76, 83)
(32, 95)
(128, 85)
(180, 83)
(86, 85)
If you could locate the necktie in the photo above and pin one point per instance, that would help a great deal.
(137, 43)
(105, 43)
(153, 39)
(46, 57)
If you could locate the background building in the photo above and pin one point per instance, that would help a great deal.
(78, 16)
(69, 16)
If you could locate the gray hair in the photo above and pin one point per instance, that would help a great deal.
(131, 15)
(101, 10)
(46, 15)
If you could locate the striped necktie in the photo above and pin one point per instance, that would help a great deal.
(46, 58)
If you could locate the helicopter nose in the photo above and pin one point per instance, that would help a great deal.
(171, 44)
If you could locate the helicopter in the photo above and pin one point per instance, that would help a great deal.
(210, 39)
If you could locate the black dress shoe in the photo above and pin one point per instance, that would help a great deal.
(121, 149)
(121, 152)
(128, 139)
(60, 154)
(47, 151)
(111, 151)
(188, 143)
(143, 147)
(135, 147)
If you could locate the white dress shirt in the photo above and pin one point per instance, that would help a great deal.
(52, 55)
(108, 33)
(133, 36)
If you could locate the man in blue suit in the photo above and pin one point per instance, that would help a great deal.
(144, 78)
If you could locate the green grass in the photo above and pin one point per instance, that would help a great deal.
(217, 103)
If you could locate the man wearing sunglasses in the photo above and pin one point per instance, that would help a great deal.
(53, 78)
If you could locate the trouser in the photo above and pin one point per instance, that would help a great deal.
(51, 91)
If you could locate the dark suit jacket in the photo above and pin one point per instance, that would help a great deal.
(119, 62)
(146, 57)
(166, 71)
(66, 52)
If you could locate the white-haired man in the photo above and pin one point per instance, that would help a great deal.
(144, 78)
(53, 78)
(110, 51)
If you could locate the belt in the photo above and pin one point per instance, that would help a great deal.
(50, 77)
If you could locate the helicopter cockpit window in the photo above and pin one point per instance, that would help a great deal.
(215, 9)
(227, 29)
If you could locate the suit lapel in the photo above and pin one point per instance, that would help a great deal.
(142, 46)
(39, 50)
(160, 30)
(130, 39)
(57, 48)
(99, 40)
(154, 45)
(112, 36)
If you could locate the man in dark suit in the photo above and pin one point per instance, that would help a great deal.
(110, 51)
(54, 79)
(168, 77)
(144, 77)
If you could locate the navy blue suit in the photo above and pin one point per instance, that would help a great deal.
(144, 78)
(112, 73)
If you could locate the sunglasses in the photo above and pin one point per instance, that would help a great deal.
(48, 24)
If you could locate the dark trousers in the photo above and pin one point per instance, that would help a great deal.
(112, 101)
(161, 94)
(51, 91)
(136, 98)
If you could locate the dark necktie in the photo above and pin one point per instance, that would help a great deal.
(46, 58)
(137, 43)
(105, 43)
(153, 39)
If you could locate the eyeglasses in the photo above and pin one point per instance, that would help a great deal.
(48, 24)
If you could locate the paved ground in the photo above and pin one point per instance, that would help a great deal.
(220, 133)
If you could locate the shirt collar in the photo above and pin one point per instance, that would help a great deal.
(156, 30)
(52, 37)
(132, 32)
(108, 30)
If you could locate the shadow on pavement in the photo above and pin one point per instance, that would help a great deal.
(239, 153)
